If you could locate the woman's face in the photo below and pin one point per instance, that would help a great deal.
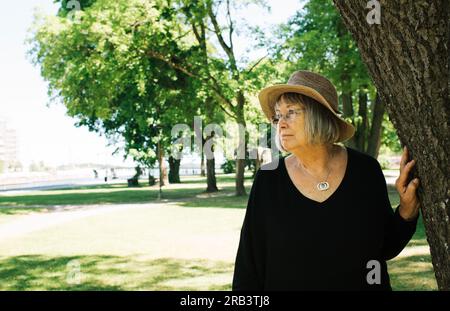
(292, 133)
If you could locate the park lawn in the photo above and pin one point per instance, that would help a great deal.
(107, 272)
(107, 194)
(189, 242)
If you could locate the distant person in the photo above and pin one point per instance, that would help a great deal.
(95, 174)
(320, 218)
(106, 175)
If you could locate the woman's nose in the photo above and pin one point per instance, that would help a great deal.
(282, 122)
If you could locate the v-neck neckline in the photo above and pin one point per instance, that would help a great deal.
(339, 187)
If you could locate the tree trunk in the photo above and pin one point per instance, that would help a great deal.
(202, 165)
(373, 145)
(407, 56)
(240, 162)
(174, 170)
(361, 132)
(211, 175)
(211, 169)
(347, 105)
(258, 161)
(163, 178)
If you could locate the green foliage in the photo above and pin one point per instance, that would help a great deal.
(102, 67)
(389, 137)
(229, 166)
(316, 39)
(130, 70)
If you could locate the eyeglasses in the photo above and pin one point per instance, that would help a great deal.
(289, 117)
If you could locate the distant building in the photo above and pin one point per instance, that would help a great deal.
(8, 148)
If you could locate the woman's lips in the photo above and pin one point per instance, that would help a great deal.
(285, 136)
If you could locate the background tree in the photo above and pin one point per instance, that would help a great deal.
(407, 57)
(99, 67)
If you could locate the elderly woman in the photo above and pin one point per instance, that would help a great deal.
(321, 219)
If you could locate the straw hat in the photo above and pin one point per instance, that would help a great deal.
(312, 85)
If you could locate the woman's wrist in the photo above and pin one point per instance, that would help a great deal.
(408, 215)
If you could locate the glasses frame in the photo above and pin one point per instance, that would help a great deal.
(289, 117)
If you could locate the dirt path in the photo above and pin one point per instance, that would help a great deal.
(39, 221)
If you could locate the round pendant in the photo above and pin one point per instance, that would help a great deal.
(322, 186)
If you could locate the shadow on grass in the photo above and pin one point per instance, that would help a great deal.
(412, 273)
(222, 199)
(101, 272)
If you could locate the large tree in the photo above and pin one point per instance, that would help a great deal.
(98, 65)
(405, 47)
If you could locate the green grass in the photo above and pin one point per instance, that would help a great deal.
(102, 272)
(419, 237)
(136, 249)
(93, 196)
(21, 210)
(412, 273)
(109, 194)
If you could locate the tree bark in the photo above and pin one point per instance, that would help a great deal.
(407, 56)
(362, 128)
(174, 170)
(240, 163)
(211, 176)
(258, 162)
(211, 183)
(202, 166)
(347, 104)
(163, 178)
(373, 144)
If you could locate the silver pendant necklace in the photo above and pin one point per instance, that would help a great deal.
(322, 185)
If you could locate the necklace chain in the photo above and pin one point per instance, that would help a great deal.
(322, 185)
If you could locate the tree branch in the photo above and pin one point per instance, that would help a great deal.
(201, 38)
(161, 57)
(257, 63)
(233, 115)
(218, 33)
(196, 33)
(231, 25)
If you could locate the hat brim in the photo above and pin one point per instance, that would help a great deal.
(268, 96)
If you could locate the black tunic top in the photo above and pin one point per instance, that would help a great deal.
(291, 242)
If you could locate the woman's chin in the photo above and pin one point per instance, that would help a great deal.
(287, 146)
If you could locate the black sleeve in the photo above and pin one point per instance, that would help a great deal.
(397, 231)
(249, 265)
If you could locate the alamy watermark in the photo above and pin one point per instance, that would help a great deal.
(230, 141)
(73, 6)
(374, 275)
(74, 275)
(374, 15)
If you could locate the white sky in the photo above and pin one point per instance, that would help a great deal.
(46, 133)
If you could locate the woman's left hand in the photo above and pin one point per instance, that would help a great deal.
(409, 203)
